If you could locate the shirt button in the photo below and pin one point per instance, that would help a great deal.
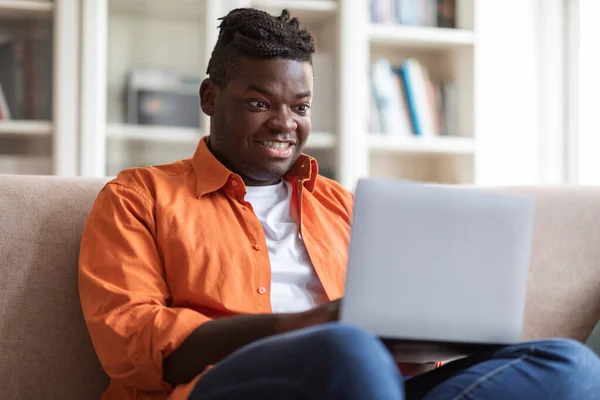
(256, 247)
(235, 184)
(261, 290)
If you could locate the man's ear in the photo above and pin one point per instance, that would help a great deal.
(209, 96)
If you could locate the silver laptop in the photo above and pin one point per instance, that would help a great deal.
(437, 272)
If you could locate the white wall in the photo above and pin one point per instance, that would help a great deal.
(506, 92)
(586, 129)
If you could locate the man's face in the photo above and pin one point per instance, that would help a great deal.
(260, 120)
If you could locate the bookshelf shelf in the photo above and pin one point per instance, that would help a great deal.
(18, 9)
(169, 134)
(315, 6)
(25, 128)
(321, 140)
(420, 37)
(305, 10)
(454, 145)
(178, 9)
(422, 77)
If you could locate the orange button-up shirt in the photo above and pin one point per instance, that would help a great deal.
(168, 248)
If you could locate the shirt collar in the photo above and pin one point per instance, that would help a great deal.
(211, 175)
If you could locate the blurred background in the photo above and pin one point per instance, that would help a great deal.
(480, 92)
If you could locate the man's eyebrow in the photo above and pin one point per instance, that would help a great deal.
(265, 92)
(259, 90)
(303, 94)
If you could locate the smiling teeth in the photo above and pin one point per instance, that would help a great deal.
(276, 145)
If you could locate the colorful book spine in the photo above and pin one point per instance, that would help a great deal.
(441, 13)
(4, 111)
(388, 94)
(409, 91)
(418, 94)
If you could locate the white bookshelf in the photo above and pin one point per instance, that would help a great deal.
(97, 42)
(118, 35)
(424, 38)
(312, 7)
(448, 54)
(164, 134)
(21, 9)
(321, 140)
(37, 146)
(449, 145)
(172, 9)
(11, 130)
(306, 10)
(25, 128)
(180, 34)
(176, 35)
(495, 57)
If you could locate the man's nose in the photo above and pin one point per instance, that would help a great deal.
(283, 121)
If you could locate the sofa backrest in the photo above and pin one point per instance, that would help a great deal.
(45, 350)
(563, 290)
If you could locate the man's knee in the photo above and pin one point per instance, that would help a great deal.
(361, 365)
(341, 337)
(575, 365)
(340, 341)
(338, 332)
(566, 351)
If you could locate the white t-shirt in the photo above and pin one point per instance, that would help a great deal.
(295, 286)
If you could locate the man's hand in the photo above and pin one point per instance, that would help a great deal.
(324, 313)
(330, 312)
(215, 340)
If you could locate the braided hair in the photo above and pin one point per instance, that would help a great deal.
(247, 32)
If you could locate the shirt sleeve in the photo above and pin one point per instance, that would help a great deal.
(124, 293)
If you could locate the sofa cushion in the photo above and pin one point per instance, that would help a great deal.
(45, 350)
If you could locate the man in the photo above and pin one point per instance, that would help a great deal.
(219, 277)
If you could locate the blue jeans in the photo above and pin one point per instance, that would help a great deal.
(336, 361)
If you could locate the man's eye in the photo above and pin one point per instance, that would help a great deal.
(303, 108)
(257, 103)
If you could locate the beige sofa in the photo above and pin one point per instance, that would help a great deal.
(45, 352)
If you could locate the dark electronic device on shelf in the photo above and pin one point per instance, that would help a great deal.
(162, 97)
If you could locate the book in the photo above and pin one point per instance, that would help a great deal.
(430, 12)
(10, 79)
(4, 110)
(416, 86)
(449, 108)
(446, 13)
(407, 100)
(387, 90)
(440, 13)
(26, 71)
(406, 126)
(411, 12)
(374, 118)
(433, 97)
